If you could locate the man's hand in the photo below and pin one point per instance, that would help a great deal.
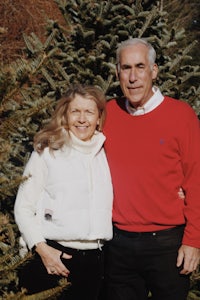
(189, 257)
(51, 259)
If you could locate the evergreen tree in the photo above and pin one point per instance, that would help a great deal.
(82, 51)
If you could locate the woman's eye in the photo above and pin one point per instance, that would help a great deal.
(90, 112)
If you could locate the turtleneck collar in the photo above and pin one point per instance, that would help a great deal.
(91, 146)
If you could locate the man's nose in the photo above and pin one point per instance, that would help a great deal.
(132, 75)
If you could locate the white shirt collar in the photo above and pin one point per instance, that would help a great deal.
(151, 104)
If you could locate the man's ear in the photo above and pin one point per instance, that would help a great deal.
(117, 72)
(154, 71)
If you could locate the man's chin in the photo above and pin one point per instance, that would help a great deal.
(135, 102)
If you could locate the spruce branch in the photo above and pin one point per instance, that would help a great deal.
(149, 19)
(182, 56)
(47, 294)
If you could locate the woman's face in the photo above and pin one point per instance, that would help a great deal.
(82, 117)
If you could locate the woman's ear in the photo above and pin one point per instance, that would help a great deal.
(98, 127)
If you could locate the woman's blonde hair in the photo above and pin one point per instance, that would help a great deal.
(53, 134)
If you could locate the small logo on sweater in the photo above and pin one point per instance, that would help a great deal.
(162, 141)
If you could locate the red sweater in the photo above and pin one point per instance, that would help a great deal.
(151, 156)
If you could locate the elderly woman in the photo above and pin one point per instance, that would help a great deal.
(64, 208)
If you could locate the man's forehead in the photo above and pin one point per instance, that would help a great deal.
(133, 61)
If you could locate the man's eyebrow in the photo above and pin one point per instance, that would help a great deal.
(125, 66)
(140, 64)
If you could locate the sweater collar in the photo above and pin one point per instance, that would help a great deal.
(92, 146)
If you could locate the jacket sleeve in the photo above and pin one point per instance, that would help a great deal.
(29, 193)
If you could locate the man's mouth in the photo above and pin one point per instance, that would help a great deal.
(134, 87)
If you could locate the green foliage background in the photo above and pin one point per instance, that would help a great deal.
(81, 51)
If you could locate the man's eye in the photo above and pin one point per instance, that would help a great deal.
(125, 68)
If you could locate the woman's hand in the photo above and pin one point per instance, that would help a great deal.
(51, 259)
(181, 194)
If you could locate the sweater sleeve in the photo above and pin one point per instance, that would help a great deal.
(190, 151)
(28, 195)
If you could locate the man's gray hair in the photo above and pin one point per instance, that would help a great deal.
(136, 41)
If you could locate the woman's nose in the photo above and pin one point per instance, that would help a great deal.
(82, 117)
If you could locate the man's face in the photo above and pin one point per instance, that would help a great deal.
(136, 74)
